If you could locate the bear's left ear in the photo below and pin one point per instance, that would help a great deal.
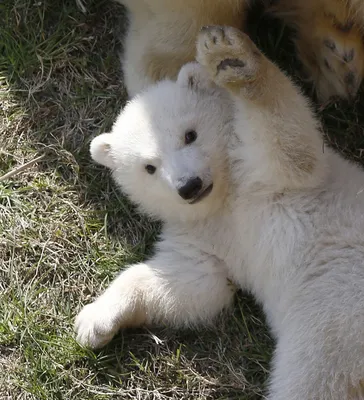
(100, 149)
(194, 76)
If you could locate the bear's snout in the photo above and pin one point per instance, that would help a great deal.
(190, 189)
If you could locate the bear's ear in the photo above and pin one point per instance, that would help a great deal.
(194, 76)
(100, 149)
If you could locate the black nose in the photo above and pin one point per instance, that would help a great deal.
(190, 189)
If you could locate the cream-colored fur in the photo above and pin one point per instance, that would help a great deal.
(284, 219)
(161, 36)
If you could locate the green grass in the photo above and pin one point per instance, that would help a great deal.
(66, 230)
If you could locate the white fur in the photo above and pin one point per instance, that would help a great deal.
(291, 235)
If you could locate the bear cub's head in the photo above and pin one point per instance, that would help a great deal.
(168, 147)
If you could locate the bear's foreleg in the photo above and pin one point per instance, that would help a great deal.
(180, 286)
(282, 147)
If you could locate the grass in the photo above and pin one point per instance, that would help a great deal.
(66, 230)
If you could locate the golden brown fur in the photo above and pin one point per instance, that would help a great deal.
(329, 42)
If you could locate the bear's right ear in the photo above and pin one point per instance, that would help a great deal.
(194, 76)
(100, 149)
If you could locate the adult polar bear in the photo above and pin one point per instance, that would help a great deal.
(235, 168)
(161, 38)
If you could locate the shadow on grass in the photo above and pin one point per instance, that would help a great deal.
(230, 360)
(65, 86)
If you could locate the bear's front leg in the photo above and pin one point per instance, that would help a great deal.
(282, 146)
(180, 286)
(120, 306)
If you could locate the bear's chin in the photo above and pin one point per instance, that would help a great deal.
(202, 194)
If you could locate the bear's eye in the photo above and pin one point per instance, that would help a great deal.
(190, 137)
(150, 169)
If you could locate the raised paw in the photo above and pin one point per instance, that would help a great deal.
(96, 325)
(229, 55)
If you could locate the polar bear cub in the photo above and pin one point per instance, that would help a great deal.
(231, 158)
